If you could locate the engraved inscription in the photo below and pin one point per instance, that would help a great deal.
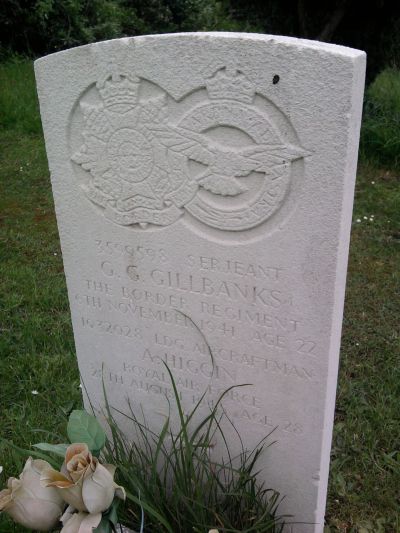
(155, 306)
(138, 160)
(227, 296)
(237, 403)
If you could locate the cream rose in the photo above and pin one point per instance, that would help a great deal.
(28, 502)
(84, 483)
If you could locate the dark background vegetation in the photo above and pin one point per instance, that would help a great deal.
(32, 28)
(38, 27)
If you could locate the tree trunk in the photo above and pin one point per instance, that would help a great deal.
(302, 18)
(334, 21)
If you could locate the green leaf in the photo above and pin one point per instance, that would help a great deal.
(27, 453)
(85, 428)
(57, 449)
(67, 409)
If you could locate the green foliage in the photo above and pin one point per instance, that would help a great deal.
(336, 21)
(18, 101)
(57, 449)
(23, 454)
(51, 25)
(38, 27)
(365, 464)
(39, 378)
(172, 478)
(380, 135)
(85, 428)
(81, 428)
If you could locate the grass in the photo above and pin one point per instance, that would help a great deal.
(365, 468)
(36, 343)
(380, 140)
(174, 485)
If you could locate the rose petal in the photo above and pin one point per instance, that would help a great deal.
(120, 492)
(98, 490)
(35, 513)
(70, 492)
(69, 511)
(79, 461)
(30, 486)
(53, 478)
(73, 496)
(89, 523)
(9, 482)
(110, 468)
(30, 503)
(37, 465)
(5, 499)
(14, 484)
(75, 449)
(74, 523)
(82, 523)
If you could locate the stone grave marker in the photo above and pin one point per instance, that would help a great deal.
(203, 186)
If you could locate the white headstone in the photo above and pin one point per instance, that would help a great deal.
(207, 179)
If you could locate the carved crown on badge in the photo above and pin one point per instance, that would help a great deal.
(230, 86)
(119, 93)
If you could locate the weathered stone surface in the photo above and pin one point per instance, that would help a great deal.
(208, 179)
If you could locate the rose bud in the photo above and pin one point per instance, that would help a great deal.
(28, 502)
(84, 482)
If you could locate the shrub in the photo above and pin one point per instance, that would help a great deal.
(380, 133)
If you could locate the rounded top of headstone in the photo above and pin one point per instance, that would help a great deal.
(292, 42)
(201, 126)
